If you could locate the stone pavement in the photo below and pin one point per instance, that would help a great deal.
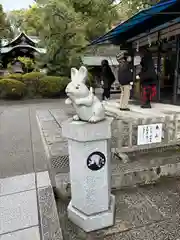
(27, 204)
(150, 213)
(28, 208)
(142, 213)
(145, 213)
(21, 146)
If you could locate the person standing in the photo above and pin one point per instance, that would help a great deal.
(148, 80)
(125, 77)
(108, 78)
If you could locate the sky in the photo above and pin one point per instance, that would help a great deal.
(15, 4)
(18, 4)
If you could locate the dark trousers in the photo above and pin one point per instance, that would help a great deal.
(106, 93)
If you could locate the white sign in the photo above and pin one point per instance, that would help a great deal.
(137, 60)
(148, 134)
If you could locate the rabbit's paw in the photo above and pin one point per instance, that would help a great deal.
(68, 101)
(78, 102)
(94, 119)
(76, 118)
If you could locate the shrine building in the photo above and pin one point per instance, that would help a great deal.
(20, 46)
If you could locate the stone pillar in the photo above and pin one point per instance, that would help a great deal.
(92, 205)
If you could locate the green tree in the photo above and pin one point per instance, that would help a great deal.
(129, 8)
(26, 20)
(16, 19)
(69, 25)
(98, 16)
(63, 35)
(33, 21)
(65, 27)
(5, 28)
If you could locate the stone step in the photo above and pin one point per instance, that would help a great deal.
(146, 213)
(142, 169)
(145, 169)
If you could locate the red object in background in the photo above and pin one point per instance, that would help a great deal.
(148, 93)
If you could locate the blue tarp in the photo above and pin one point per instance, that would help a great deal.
(135, 21)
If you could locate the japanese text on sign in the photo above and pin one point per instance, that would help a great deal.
(148, 134)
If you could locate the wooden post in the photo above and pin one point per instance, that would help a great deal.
(159, 69)
(0, 48)
(134, 71)
(176, 70)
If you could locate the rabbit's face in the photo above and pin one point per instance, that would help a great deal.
(77, 88)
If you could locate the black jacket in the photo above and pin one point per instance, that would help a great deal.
(125, 75)
(148, 74)
(107, 76)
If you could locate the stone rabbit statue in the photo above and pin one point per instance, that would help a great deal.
(87, 106)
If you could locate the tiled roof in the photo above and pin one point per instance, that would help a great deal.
(8, 49)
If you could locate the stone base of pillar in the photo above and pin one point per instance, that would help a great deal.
(93, 222)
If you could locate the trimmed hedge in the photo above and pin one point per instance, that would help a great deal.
(12, 89)
(31, 80)
(50, 86)
(32, 76)
(30, 85)
(16, 76)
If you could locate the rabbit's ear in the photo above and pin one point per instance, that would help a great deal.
(74, 73)
(83, 74)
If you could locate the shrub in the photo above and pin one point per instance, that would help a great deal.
(9, 67)
(64, 83)
(51, 86)
(28, 63)
(33, 76)
(16, 76)
(11, 89)
(31, 80)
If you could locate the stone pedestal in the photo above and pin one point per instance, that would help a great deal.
(92, 205)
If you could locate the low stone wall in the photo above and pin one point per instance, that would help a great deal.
(125, 126)
(55, 145)
(142, 169)
(132, 164)
(124, 144)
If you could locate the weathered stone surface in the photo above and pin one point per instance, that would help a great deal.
(50, 226)
(165, 198)
(17, 184)
(55, 145)
(124, 139)
(39, 156)
(145, 170)
(125, 136)
(18, 211)
(141, 169)
(89, 147)
(43, 179)
(141, 213)
(63, 186)
(124, 128)
(28, 234)
(15, 142)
